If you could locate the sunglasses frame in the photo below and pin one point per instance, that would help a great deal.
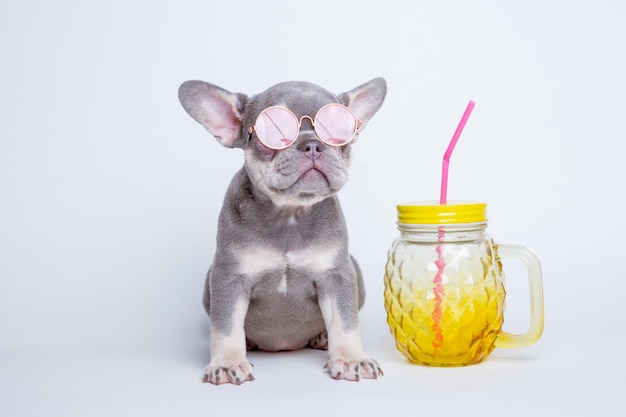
(357, 126)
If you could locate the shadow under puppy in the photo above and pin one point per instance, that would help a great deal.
(282, 277)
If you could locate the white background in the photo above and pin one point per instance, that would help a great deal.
(109, 195)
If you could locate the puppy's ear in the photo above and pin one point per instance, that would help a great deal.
(218, 110)
(366, 99)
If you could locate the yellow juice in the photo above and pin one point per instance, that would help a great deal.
(447, 313)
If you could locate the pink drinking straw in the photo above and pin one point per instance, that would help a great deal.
(448, 154)
(438, 281)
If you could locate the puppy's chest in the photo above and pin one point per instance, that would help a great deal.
(272, 270)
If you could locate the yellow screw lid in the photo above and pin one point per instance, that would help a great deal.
(432, 212)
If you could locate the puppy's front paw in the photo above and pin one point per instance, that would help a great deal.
(238, 374)
(354, 370)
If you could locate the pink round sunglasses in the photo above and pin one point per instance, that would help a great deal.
(278, 128)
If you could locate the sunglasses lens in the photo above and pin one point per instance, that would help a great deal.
(277, 127)
(335, 124)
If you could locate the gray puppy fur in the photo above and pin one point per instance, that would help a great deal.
(282, 277)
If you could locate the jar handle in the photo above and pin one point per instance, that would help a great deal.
(533, 266)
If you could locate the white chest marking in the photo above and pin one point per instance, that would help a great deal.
(259, 260)
(282, 285)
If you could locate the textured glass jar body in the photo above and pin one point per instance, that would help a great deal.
(444, 293)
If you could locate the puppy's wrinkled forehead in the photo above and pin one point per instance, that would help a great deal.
(300, 97)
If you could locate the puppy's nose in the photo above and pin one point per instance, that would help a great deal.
(312, 148)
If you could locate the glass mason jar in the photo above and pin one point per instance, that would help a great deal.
(444, 286)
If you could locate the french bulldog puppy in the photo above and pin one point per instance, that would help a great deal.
(282, 277)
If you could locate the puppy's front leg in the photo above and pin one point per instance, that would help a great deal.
(228, 342)
(347, 359)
